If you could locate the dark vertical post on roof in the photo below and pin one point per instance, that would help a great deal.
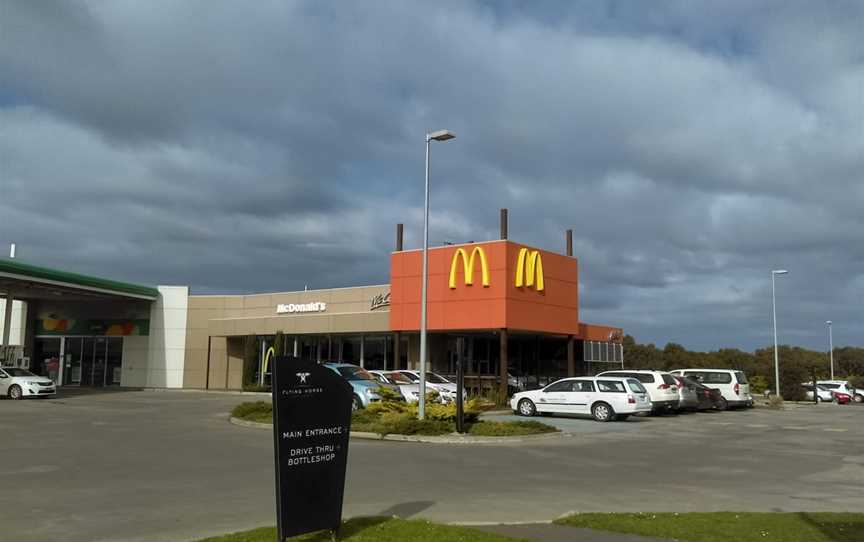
(570, 243)
(207, 377)
(399, 230)
(571, 360)
(503, 223)
(502, 369)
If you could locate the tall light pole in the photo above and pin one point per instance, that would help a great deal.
(831, 347)
(774, 273)
(440, 135)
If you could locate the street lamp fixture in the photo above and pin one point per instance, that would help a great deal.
(440, 135)
(774, 273)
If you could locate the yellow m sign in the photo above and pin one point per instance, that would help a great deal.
(468, 266)
(529, 269)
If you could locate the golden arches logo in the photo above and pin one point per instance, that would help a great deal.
(270, 353)
(468, 266)
(529, 269)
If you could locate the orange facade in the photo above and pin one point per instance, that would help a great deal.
(510, 286)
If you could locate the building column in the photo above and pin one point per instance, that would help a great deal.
(571, 358)
(502, 369)
(7, 320)
(397, 349)
(362, 350)
(296, 346)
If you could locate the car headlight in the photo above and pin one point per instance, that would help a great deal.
(32, 382)
(371, 392)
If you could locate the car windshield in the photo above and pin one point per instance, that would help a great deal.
(830, 386)
(411, 376)
(12, 371)
(399, 378)
(435, 379)
(355, 373)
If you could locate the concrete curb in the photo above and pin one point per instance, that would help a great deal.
(443, 439)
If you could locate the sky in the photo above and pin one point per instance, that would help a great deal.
(262, 146)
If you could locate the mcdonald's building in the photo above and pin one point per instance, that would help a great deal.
(515, 307)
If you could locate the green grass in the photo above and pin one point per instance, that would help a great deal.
(509, 429)
(726, 526)
(375, 530)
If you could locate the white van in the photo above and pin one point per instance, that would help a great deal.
(732, 384)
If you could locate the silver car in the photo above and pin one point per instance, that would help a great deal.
(688, 398)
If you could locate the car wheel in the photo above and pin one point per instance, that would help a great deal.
(356, 403)
(527, 408)
(859, 398)
(722, 404)
(602, 412)
(15, 392)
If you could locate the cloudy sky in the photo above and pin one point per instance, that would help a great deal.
(258, 146)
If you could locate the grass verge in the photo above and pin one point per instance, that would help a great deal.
(375, 530)
(726, 526)
(405, 423)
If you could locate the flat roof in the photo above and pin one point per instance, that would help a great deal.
(15, 271)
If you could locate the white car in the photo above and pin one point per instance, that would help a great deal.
(662, 387)
(445, 388)
(18, 383)
(843, 386)
(603, 398)
(410, 391)
(822, 393)
(732, 384)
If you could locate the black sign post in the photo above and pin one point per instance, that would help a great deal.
(311, 425)
(460, 385)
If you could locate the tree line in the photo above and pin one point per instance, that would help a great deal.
(797, 365)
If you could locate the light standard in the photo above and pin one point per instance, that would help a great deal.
(440, 135)
(774, 273)
(831, 347)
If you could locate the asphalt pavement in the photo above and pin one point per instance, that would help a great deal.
(134, 466)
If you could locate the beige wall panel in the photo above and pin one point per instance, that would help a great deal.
(264, 301)
(235, 363)
(206, 302)
(234, 303)
(218, 361)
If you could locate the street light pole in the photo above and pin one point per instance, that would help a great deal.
(831, 347)
(774, 273)
(440, 135)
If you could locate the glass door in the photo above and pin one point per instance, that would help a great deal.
(87, 361)
(114, 361)
(100, 349)
(72, 360)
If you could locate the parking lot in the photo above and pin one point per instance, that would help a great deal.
(168, 466)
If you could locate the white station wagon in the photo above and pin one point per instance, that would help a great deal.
(603, 398)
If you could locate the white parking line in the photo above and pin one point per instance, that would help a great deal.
(757, 425)
(835, 430)
(797, 428)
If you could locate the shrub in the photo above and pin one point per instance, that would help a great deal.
(758, 384)
(775, 402)
(257, 411)
(256, 388)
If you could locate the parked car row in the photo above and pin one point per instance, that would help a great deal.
(616, 395)
(835, 391)
(366, 384)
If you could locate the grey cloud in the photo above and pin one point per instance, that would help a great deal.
(247, 147)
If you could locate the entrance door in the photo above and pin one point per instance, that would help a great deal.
(72, 359)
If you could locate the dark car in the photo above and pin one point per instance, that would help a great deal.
(709, 398)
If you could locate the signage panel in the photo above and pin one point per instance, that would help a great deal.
(311, 425)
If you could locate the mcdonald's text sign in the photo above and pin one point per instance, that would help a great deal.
(490, 285)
